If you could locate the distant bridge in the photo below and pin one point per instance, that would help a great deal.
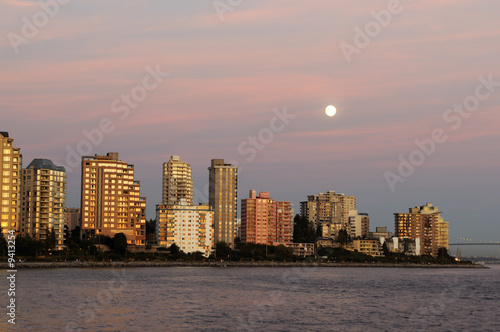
(475, 244)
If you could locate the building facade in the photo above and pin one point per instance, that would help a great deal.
(110, 199)
(302, 249)
(359, 224)
(177, 182)
(426, 224)
(381, 232)
(370, 247)
(43, 200)
(72, 218)
(190, 227)
(222, 195)
(329, 211)
(10, 168)
(266, 221)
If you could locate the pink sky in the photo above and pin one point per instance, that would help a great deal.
(226, 77)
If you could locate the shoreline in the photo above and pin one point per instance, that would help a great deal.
(50, 265)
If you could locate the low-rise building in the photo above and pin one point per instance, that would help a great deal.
(366, 246)
(405, 245)
(302, 249)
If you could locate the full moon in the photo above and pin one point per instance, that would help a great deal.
(330, 110)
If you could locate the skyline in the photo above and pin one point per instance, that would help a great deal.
(225, 78)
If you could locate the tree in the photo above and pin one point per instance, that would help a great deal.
(282, 253)
(223, 250)
(75, 234)
(303, 230)
(3, 243)
(67, 235)
(50, 239)
(174, 249)
(150, 231)
(120, 244)
(53, 238)
(444, 255)
(343, 237)
(385, 249)
(106, 240)
(26, 246)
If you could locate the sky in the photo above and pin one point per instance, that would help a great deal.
(416, 85)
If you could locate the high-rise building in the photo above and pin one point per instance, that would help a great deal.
(329, 211)
(10, 172)
(43, 199)
(177, 181)
(222, 195)
(426, 224)
(359, 224)
(72, 218)
(188, 226)
(110, 199)
(266, 221)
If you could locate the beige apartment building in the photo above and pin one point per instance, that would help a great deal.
(359, 224)
(424, 223)
(370, 247)
(222, 195)
(190, 227)
(10, 171)
(329, 210)
(43, 199)
(110, 199)
(177, 181)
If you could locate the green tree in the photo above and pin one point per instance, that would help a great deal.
(385, 249)
(3, 243)
(343, 237)
(106, 240)
(50, 239)
(120, 244)
(67, 235)
(26, 246)
(150, 226)
(75, 234)
(282, 253)
(53, 238)
(223, 250)
(303, 230)
(174, 249)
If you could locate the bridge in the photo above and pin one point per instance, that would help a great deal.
(464, 241)
(475, 244)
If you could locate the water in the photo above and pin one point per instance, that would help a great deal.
(256, 299)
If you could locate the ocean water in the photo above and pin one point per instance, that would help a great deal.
(255, 299)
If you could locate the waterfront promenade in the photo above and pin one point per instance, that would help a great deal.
(79, 264)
